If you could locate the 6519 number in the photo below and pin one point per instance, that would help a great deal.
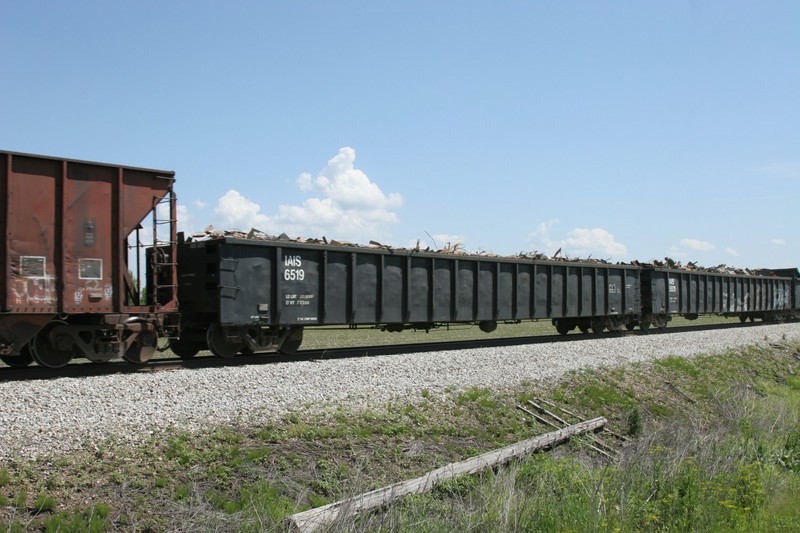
(294, 274)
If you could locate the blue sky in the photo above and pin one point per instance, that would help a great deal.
(620, 130)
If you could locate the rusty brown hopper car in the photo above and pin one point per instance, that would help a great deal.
(71, 242)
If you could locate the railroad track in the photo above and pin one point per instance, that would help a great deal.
(88, 369)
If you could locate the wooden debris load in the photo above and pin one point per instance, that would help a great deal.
(456, 249)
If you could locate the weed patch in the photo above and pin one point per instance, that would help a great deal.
(680, 365)
(597, 396)
(718, 450)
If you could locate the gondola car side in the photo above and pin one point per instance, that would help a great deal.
(248, 295)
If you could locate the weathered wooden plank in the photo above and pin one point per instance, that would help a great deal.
(544, 411)
(542, 420)
(314, 519)
(580, 418)
(538, 418)
(594, 438)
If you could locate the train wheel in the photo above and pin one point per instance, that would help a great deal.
(292, 341)
(615, 325)
(143, 349)
(598, 326)
(219, 344)
(18, 361)
(742, 318)
(630, 326)
(246, 350)
(51, 349)
(583, 327)
(644, 326)
(183, 348)
(562, 328)
(487, 326)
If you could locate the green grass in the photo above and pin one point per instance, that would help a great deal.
(679, 364)
(44, 503)
(342, 337)
(336, 337)
(725, 459)
(737, 471)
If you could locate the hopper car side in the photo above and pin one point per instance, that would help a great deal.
(67, 289)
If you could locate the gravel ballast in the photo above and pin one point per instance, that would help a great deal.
(51, 417)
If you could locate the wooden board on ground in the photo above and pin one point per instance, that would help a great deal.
(323, 516)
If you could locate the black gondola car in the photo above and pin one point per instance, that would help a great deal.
(241, 295)
(667, 292)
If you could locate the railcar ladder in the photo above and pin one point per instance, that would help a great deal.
(164, 259)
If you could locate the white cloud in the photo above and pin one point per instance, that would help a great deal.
(779, 242)
(542, 240)
(677, 253)
(188, 220)
(437, 241)
(732, 252)
(595, 241)
(348, 187)
(697, 246)
(444, 240)
(235, 211)
(348, 206)
(185, 218)
(580, 242)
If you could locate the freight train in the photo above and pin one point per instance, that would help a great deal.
(72, 245)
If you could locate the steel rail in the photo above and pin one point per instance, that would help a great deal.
(88, 369)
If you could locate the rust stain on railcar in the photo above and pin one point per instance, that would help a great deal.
(65, 225)
(30, 237)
